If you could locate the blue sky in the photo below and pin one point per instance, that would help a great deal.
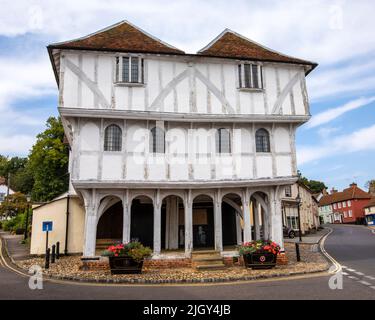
(336, 146)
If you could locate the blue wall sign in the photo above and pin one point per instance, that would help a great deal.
(47, 226)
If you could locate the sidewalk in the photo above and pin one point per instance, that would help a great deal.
(16, 250)
(309, 238)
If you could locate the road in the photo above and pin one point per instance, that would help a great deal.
(352, 246)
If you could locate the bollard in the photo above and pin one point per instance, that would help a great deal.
(297, 252)
(53, 255)
(57, 250)
(46, 264)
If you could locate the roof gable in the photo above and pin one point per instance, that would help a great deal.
(230, 44)
(122, 37)
(347, 194)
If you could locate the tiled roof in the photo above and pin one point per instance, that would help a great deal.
(353, 192)
(232, 45)
(123, 37)
(371, 203)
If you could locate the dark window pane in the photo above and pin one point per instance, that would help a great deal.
(157, 143)
(125, 69)
(223, 141)
(262, 141)
(112, 138)
(255, 76)
(247, 76)
(134, 73)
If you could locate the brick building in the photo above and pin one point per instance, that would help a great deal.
(346, 206)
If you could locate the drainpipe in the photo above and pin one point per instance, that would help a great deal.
(67, 225)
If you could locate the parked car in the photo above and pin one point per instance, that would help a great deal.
(289, 232)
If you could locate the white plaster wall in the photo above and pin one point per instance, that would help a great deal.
(189, 95)
(190, 153)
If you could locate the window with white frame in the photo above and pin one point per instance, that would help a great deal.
(129, 69)
(334, 206)
(223, 141)
(157, 140)
(112, 138)
(350, 213)
(2, 196)
(345, 214)
(339, 205)
(344, 204)
(250, 76)
(288, 191)
(349, 203)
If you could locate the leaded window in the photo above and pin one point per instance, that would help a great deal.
(129, 69)
(262, 141)
(223, 141)
(157, 140)
(250, 76)
(112, 138)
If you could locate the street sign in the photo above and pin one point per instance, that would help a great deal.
(47, 226)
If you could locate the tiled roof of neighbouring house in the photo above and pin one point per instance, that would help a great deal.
(232, 45)
(353, 192)
(122, 37)
(371, 203)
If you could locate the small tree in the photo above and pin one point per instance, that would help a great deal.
(13, 205)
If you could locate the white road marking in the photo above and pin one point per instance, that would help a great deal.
(359, 273)
(353, 278)
(365, 283)
(344, 267)
(372, 287)
(370, 277)
(345, 273)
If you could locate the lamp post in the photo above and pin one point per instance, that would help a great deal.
(298, 199)
(28, 198)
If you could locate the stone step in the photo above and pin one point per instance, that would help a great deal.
(207, 258)
(214, 266)
(205, 252)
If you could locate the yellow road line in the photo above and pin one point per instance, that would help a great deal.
(322, 248)
(5, 264)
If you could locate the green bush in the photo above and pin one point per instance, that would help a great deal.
(17, 222)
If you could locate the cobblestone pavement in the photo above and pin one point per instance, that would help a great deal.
(312, 261)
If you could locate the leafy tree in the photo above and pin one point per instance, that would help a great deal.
(21, 179)
(13, 204)
(48, 162)
(314, 185)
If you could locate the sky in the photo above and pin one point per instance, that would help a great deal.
(336, 146)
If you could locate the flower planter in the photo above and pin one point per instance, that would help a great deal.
(125, 265)
(260, 260)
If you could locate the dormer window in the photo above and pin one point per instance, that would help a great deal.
(250, 76)
(129, 69)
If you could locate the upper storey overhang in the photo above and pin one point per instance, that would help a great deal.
(125, 37)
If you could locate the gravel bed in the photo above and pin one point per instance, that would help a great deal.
(68, 268)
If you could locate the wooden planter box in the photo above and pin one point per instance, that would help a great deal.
(125, 265)
(264, 260)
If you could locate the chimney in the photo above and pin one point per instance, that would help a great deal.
(371, 188)
(325, 192)
(353, 185)
(333, 190)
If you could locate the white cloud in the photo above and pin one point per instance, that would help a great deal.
(327, 131)
(16, 144)
(333, 113)
(360, 140)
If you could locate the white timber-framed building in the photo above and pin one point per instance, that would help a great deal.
(179, 151)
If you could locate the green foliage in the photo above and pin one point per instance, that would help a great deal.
(48, 161)
(314, 185)
(134, 250)
(13, 205)
(21, 179)
(17, 222)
